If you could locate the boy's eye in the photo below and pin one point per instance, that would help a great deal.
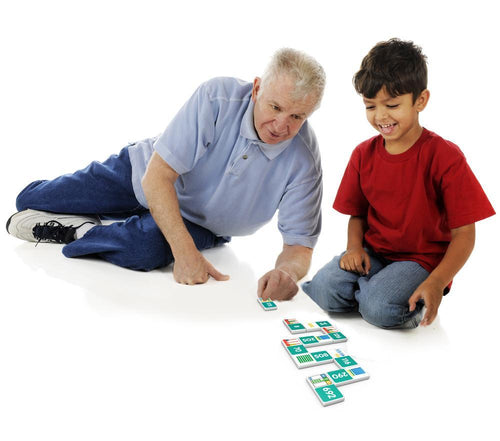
(392, 106)
(370, 107)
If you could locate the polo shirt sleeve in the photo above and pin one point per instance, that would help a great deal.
(299, 215)
(188, 136)
(464, 200)
(350, 198)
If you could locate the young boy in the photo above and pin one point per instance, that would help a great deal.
(412, 198)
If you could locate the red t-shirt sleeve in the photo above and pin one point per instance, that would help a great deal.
(350, 198)
(463, 197)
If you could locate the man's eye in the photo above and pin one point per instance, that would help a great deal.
(276, 108)
(296, 117)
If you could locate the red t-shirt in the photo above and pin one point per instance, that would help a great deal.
(412, 200)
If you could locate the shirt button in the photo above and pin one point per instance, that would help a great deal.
(245, 156)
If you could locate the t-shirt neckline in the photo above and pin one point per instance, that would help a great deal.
(405, 155)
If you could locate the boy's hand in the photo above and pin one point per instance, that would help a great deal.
(356, 260)
(431, 292)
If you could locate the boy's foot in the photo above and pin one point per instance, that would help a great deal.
(43, 226)
(414, 322)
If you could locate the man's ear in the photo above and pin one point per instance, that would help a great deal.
(256, 88)
(422, 100)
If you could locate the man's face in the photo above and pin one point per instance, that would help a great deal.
(277, 116)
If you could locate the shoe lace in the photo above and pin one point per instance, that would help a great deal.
(53, 231)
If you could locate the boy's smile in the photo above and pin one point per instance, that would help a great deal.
(396, 118)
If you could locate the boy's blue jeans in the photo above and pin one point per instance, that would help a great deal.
(381, 297)
(105, 189)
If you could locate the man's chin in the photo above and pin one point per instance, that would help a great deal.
(275, 139)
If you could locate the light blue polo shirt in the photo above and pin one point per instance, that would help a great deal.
(229, 181)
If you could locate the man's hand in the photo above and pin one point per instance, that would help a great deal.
(195, 269)
(431, 292)
(356, 260)
(281, 282)
(277, 285)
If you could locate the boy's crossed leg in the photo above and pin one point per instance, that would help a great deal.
(381, 297)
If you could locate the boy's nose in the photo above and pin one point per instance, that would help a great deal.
(380, 113)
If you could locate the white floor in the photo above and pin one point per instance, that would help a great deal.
(89, 351)
(92, 351)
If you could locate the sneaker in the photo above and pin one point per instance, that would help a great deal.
(43, 226)
(414, 321)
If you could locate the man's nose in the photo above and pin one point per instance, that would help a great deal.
(280, 124)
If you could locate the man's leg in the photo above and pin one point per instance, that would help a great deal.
(100, 188)
(333, 288)
(383, 298)
(104, 189)
(136, 243)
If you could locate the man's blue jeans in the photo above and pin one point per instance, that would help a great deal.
(105, 189)
(381, 297)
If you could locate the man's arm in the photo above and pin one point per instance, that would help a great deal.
(281, 282)
(190, 267)
(431, 289)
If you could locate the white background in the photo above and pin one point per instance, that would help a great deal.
(89, 351)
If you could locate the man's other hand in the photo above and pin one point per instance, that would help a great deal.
(277, 285)
(195, 269)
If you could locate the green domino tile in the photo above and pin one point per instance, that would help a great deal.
(304, 358)
(329, 395)
(339, 376)
(308, 340)
(321, 356)
(323, 324)
(345, 361)
(296, 326)
(269, 304)
(337, 336)
(320, 380)
(299, 349)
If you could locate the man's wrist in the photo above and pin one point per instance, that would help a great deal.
(288, 272)
(183, 249)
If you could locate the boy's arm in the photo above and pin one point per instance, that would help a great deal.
(291, 265)
(431, 289)
(356, 259)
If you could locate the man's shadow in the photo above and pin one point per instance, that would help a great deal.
(109, 288)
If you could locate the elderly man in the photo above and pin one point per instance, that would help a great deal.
(234, 154)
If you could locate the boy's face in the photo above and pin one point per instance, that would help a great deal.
(396, 118)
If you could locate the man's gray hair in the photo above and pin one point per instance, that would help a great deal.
(307, 73)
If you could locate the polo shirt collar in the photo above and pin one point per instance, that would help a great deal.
(248, 131)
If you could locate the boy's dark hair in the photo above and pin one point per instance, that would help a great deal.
(398, 65)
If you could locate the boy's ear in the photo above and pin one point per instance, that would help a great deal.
(422, 100)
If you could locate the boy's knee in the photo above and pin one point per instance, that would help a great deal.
(390, 315)
(382, 314)
(332, 288)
